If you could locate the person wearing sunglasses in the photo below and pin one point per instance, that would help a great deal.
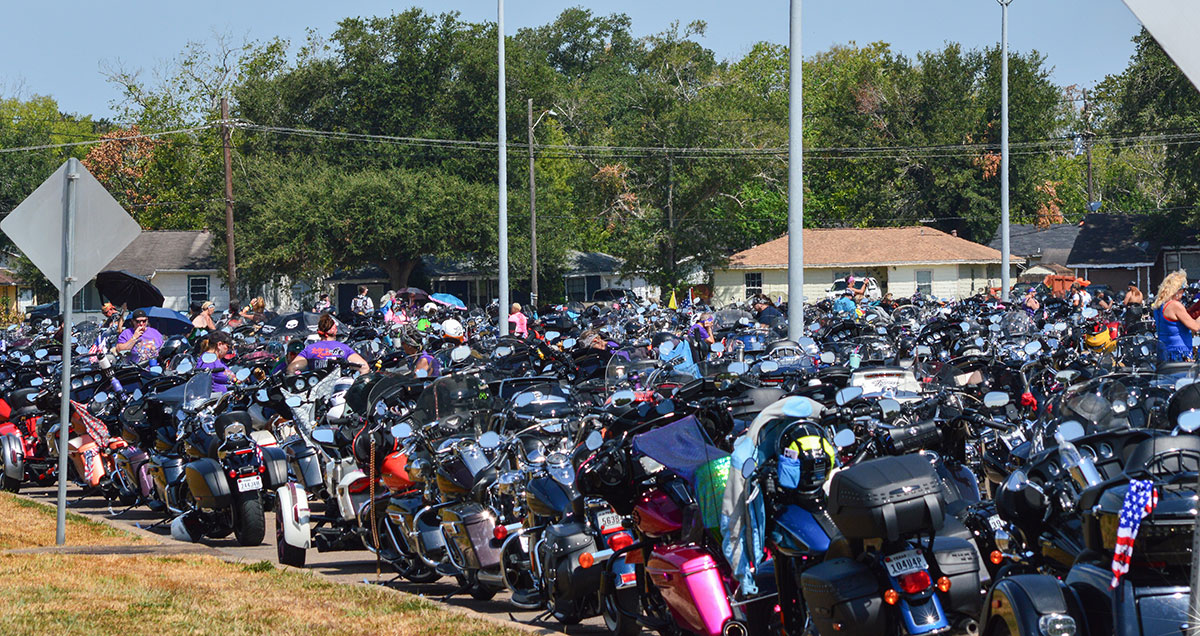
(141, 340)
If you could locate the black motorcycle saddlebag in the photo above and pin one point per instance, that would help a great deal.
(958, 561)
(564, 543)
(843, 592)
(887, 498)
(471, 527)
(306, 465)
(206, 480)
(276, 461)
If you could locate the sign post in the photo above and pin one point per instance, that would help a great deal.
(46, 226)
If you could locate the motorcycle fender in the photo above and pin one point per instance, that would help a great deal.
(275, 459)
(14, 456)
(294, 514)
(1020, 601)
(306, 465)
(206, 480)
(347, 501)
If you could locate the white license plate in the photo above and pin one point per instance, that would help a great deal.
(249, 483)
(608, 520)
(996, 522)
(902, 563)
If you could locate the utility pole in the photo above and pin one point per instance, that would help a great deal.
(1004, 246)
(795, 275)
(533, 264)
(502, 134)
(671, 215)
(1087, 141)
(225, 138)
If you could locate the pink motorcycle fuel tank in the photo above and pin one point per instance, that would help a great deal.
(656, 515)
(692, 586)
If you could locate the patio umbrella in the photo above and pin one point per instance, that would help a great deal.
(168, 321)
(122, 288)
(300, 323)
(449, 300)
(417, 294)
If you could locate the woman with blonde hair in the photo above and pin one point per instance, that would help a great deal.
(1172, 321)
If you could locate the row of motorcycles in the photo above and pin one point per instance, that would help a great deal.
(933, 469)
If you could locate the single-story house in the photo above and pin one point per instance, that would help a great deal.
(588, 271)
(1041, 247)
(1109, 250)
(904, 260)
(178, 262)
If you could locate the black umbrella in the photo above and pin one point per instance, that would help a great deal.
(300, 323)
(122, 288)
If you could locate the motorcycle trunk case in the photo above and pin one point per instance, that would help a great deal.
(956, 559)
(692, 586)
(844, 592)
(887, 498)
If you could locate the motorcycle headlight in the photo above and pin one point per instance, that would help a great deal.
(1057, 625)
(559, 467)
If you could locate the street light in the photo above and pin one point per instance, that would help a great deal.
(1004, 249)
(795, 275)
(533, 265)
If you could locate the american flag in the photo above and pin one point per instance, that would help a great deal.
(98, 431)
(98, 345)
(1140, 500)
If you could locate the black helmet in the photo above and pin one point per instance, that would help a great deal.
(806, 458)
(664, 336)
(1185, 399)
(357, 396)
(173, 346)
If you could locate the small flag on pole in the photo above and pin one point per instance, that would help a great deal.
(672, 304)
(1140, 501)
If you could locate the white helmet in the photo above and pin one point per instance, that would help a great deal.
(429, 308)
(452, 328)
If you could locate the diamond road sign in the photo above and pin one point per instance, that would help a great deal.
(102, 228)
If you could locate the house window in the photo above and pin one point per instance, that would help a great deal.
(1190, 262)
(753, 283)
(197, 289)
(1171, 260)
(576, 288)
(925, 282)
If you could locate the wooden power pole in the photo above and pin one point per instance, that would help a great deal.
(225, 138)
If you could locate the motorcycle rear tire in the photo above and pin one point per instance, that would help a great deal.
(249, 523)
(614, 620)
(11, 485)
(288, 554)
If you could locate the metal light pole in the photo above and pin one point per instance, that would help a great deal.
(795, 178)
(503, 134)
(66, 299)
(1004, 249)
(533, 264)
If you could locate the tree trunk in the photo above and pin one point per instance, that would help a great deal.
(398, 270)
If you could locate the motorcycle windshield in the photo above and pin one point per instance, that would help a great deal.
(451, 395)
(196, 390)
(622, 372)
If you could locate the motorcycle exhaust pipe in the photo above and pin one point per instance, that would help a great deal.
(968, 626)
(735, 628)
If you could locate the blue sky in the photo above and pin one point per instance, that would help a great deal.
(57, 49)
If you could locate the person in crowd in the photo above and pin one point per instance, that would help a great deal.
(424, 365)
(846, 304)
(1103, 301)
(518, 322)
(255, 313)
(362, 303)
(220, 345)
(1172, 321)
(765, 312)
(888, 302)
(702, 330)
(858, 286)
(327, 347)
(294, 347)
(141, 340)
(233, 314)
(322, 305)
(112, 316)
(1030, 302)
(204, 318)
(1079, 297)
(591, 339)
(1133, 295)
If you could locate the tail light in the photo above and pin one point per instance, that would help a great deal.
(914, 582)
(620, 541)
(500, 533)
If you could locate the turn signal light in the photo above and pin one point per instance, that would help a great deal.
(943, 584)
(997, 557)
(500, 532)
(586, 560)
(891, 597)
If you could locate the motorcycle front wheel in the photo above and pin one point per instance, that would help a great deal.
(249, 523)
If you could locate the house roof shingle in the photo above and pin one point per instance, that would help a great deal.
(869, 247)
(162, 250)
(1111, 240)
(1053, 244)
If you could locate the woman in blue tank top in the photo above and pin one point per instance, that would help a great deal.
(1172, 321)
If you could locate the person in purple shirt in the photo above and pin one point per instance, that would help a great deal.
(326, 348)
(423, 364)
(141, 340)
(702, 331)
(219, 344)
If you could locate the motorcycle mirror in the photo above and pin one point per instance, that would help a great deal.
(380, 408)
(995, 399)
(40, 353)
(828, 357)
(458, 354)
(24, 359)
(293, 401)
(262, 396)
(881, 331)
(738, 368)
(923, 350)
(156, 370)
(844, 438)
(523, 399)
(421, 373)
(137, 394)
(666, 348)
(748, 467)
(1032, 347)
(81, 350)
(623, 398)
(769, 366)
(1060, 326)
(568, 343)
(323, 435)
(593, 440)
(1070, 430)
(208, 357)
(37, 382)
(665, 407)
(184, 366)
(100, 397)
(242, 374)
(551, 336)
(717, 347)
(1052, 343)
(489, 440)
(995, 319)
(403, 430)
(1089, 313)
(1189, 421)
(500, 352)
(847, 394)
(797, 407)
(979, 342)
(965, 326)
(888, 407)
(994, 328)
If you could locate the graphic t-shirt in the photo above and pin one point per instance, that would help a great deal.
(321, 350)
(146, 347)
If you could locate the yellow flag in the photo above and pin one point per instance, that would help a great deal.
(672, 304)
